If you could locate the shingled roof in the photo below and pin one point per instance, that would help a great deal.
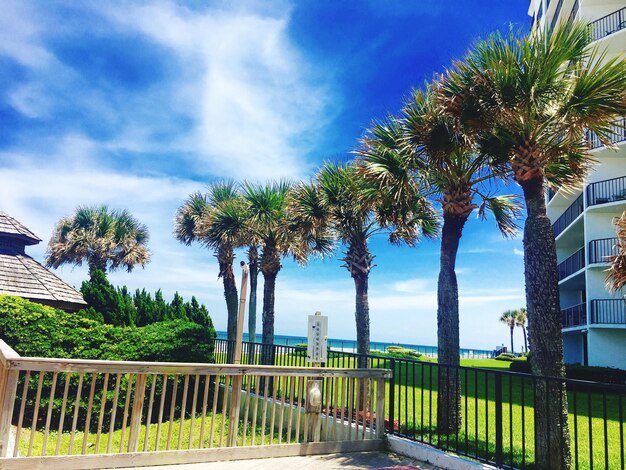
(22, 276)
(11, 228)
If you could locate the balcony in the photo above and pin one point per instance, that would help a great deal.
(606, 191)
(556, 15)
(608, 311)
(608, 24)
(572, 264)
(617, 135)
(600, 249)
(574, 316)
(570, 214)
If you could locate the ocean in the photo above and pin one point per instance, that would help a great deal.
(349, 345)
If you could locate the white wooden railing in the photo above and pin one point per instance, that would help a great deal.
(72, 413)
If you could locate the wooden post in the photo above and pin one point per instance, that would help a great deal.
(8, 390)
(380, 408)
(235, 398)
(135, 417)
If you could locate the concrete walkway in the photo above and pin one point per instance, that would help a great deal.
(350, 461)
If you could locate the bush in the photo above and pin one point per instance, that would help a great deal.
(506, 357)
(36, 330)
(398, 352)
(578, 372)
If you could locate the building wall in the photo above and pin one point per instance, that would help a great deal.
(607, 347)
(573, 347)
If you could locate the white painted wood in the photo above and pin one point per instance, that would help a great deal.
(133, 367)
(140, 459)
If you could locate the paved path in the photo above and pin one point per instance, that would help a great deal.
(351, 461)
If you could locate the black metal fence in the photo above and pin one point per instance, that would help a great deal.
(605, 191)
(601, 249)
(497, 407)
(570, 214)
(608, 311)
(608, 24)
(572, 264)
(575, 315)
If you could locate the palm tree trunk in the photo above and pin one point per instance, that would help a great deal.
(253, 265)
(94, 264)
(525, 339)
(225, 258)
(358, 261)
(552, 446)
(449, 397)
(512, 350)
(269, 286)
(362, 317)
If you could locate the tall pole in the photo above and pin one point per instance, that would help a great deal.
(242, 313)
(237, 386)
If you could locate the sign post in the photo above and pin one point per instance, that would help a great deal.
(317, 352)
(235, 398)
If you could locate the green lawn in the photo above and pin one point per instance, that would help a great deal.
(121, 442)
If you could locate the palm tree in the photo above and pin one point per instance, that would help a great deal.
(105, 239)
(253, 266)
(217, 220)
(341, 200)
(270, 227)
(616, 278)
(529, 100)
(509, 318)
(520, 320)
(423, 148)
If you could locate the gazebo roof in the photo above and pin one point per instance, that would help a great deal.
(22, 276)
(11, 228)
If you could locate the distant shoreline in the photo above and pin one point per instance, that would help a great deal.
(349, 345)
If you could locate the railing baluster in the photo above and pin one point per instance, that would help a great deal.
(21, 417)
(161, 409)
(146, 438)
(76, 408)
(103, 401)
(33, 427)
(129, 389)
(255, 409)
(92, 389)
(183, 409)
(116, 395)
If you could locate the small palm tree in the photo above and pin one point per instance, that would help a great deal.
(105, 239)
(342, 201)
(509, 318)
(528, 101)
(521, 316)
(270, 227)
(616, 278)
(424, 149)
(217, 220)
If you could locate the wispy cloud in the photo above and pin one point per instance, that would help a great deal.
(518, 252)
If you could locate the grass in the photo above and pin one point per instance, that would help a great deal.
(178, 438)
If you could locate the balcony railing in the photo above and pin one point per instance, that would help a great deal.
(608, 24)
(572, 264)
(557, 12)
(618, 134)
(600, 249)
(570, 214)
(573, 13)
(574, 316)
(608, 311)
(606, 191)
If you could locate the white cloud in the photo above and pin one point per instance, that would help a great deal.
(518, 252)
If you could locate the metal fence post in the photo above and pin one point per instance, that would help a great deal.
(392, 396)
(498, 398)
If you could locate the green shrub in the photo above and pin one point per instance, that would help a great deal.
(398, 352)
(506, 357)
(578, 372)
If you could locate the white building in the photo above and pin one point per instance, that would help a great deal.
(594, 319)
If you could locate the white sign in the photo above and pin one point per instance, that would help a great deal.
(317, 336)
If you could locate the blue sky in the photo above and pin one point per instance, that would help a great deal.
(138, 104)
